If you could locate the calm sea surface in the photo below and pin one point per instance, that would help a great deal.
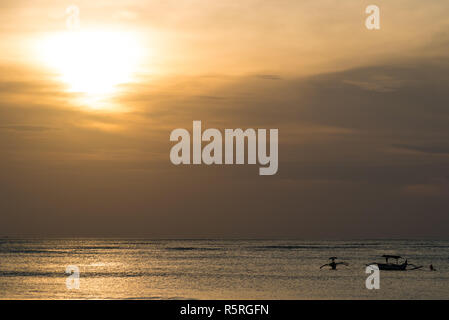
(217, 269)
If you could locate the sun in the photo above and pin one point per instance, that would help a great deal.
(93, 63)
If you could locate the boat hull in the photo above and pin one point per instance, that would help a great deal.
(392, 267)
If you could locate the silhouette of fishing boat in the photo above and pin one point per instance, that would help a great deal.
(334, 264)
(398, 265)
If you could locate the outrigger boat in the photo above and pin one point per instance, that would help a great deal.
(394, 266)
(334, 264)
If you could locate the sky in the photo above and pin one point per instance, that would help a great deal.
(86, 114)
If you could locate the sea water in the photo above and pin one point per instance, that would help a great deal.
(218, 269)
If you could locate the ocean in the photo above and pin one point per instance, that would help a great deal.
(218, 269)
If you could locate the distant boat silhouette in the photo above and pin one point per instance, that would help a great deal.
(334, 264)
(394, 266)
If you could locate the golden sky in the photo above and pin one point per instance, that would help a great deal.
(85, 117)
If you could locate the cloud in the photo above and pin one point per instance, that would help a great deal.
(31, 128)
(341, 139)
(425, 149)
(434, 188)
(269, 76)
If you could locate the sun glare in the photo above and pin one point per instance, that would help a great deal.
(93, 63)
